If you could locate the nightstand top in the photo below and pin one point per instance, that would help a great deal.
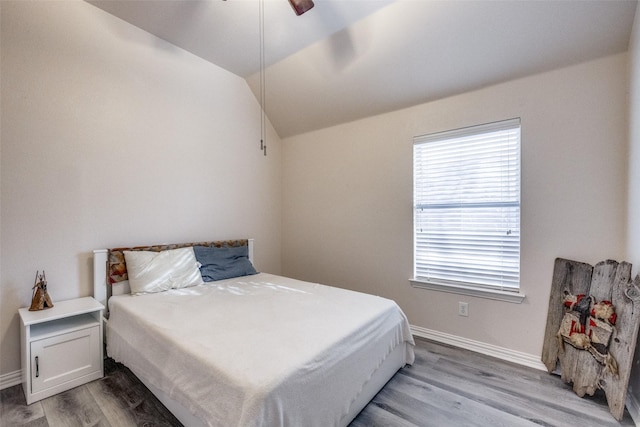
(60, 310)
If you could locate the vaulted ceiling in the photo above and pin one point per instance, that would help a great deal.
(348, 59)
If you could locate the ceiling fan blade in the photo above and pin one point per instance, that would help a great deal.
(301, 6)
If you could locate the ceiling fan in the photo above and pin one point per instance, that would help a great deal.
(301, 6)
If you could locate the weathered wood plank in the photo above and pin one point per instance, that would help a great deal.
(603, 279)
(599, 363)
(586, 370)
(626, 299)
(568, 277)
(573, 364)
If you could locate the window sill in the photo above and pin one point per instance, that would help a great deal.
(513, 297)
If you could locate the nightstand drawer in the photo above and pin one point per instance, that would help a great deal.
(62, 358)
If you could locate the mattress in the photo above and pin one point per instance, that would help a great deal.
(260, 350)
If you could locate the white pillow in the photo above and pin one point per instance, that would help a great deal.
(151, 272)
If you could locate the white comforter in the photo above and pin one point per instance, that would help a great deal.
(259, 350)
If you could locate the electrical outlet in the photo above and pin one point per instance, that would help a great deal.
(463, 309)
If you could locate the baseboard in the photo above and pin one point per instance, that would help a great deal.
(10, 379)
(633, 406)
(530, 360)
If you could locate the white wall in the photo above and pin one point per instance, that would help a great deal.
(110, 137)
(347, 196)
(633, 212)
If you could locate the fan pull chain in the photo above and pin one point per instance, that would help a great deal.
(263, 126)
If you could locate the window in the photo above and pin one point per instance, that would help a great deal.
(467, 208)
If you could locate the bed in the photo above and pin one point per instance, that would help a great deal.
(246, 348)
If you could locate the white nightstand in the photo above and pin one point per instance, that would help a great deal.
(61, 347)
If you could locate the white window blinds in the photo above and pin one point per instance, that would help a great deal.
(467, 206)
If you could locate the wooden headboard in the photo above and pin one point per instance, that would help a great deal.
(110, 270)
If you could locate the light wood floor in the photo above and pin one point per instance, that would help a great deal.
(445, 387)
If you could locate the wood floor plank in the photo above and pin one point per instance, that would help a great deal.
(510, 387)
(14, 409)
(125, 401)
(116, 413)
(374, 416)
(428, 405)
(75, 407)
(531, 382)
(551, 403)
(446, 386)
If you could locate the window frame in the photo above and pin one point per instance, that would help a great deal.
(497, 292)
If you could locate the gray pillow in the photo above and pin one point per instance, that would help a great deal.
(223, 263)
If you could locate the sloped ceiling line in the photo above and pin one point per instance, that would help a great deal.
(344, 60)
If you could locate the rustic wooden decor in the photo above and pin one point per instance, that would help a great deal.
(592, 328)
